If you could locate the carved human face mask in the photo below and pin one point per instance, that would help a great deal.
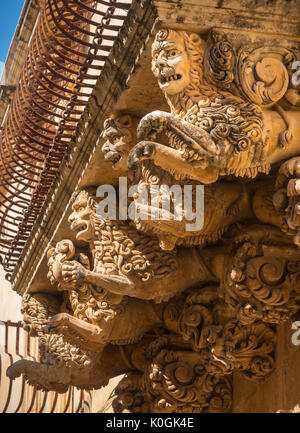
(119, 141)
(170, 62)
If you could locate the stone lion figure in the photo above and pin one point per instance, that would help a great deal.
(212, 132)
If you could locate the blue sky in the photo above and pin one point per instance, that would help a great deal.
(10, 11)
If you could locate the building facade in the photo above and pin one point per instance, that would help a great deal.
(149, 207)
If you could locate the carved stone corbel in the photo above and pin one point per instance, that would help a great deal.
(262, 282)
(175, 381)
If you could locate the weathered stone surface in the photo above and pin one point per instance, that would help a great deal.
(194, 321)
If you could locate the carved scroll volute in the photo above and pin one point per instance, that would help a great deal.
(262, 283)
(219, 59)
(262, 74)
(176, 381)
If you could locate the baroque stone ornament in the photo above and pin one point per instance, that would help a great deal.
(219, 61)
(175, 381)
(213, 132)
(222, 206)
(61, 363)
(263, 73)
(221, 341)
(286, 197)
(178, 312)
(263, 283)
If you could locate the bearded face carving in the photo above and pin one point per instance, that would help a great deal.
(120, 134)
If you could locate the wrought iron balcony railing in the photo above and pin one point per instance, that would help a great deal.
(68, 49)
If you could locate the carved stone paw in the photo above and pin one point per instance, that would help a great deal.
(151, 125)
(15, 370)
(73, 272)
(143, 150)
(286, 200)
(59, 321)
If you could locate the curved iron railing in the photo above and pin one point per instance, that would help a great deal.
(69, 46)
(17, 396)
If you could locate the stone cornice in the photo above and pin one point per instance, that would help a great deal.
(280, 17)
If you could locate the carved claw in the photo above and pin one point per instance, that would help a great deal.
(151, 125)
(143, 150)
(73, 272)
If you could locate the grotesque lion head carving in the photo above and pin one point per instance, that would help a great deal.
(178, 65)
(177, 58)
